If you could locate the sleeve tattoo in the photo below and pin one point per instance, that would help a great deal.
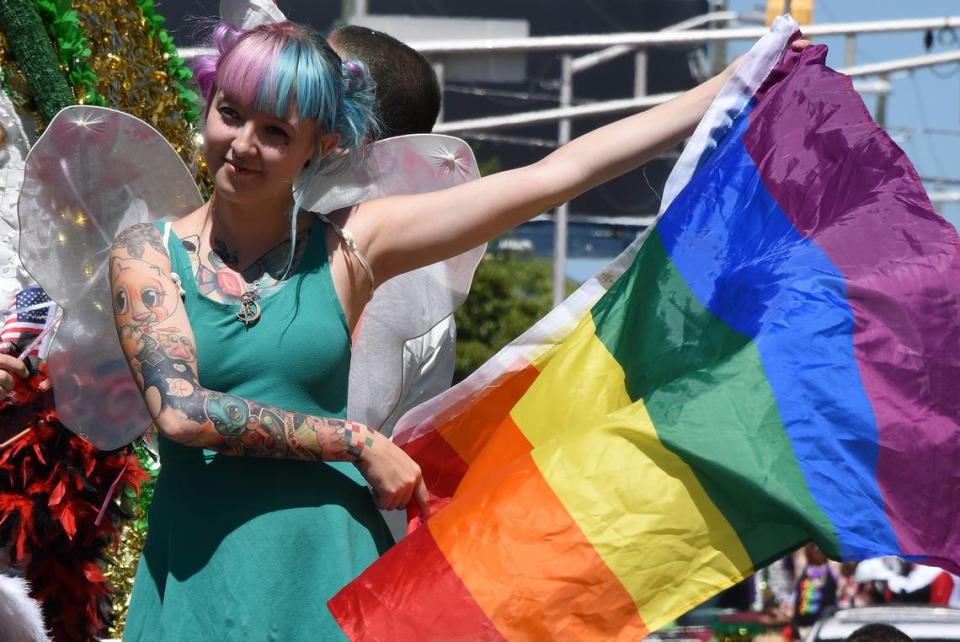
(163, 358)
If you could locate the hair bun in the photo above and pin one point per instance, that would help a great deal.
(355, 76)
(225, 37)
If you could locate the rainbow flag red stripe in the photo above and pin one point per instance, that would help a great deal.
(776, 361)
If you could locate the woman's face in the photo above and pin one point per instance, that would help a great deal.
(256, 156)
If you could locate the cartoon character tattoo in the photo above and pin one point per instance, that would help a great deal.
(142, 294)
(229, 414)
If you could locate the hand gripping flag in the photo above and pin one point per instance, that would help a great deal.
(778, 360)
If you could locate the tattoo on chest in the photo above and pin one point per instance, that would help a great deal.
(224, 253)
(218, 279)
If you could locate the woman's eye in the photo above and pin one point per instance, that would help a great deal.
(273, 130)
(150, 297)
(228, 113)
(120, 301)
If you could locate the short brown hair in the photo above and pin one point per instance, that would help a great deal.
(408, 94)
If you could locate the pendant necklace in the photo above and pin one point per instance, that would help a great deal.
(250, 299)
(250, 304)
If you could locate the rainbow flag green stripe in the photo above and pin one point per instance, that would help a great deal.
(700, 394)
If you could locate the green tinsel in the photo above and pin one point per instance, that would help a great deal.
(30, 44)
(64, 29)
(180, 74)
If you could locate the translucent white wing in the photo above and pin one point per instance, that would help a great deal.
(13, 151)
(94, 172)
(410, 305)
(247, 14)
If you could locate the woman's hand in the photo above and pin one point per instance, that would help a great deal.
(796, 45)
(394, 478)
(10, 369)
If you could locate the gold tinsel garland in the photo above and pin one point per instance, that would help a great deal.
(130, 67)
(120, 566)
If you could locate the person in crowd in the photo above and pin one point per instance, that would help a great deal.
(236, 321)
(852, 592)
(11, 369)
(916, 584)
(815, 593)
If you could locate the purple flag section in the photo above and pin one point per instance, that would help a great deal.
(901, 265)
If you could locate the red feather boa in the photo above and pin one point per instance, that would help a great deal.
(52, 484)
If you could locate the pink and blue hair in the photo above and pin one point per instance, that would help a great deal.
(279, 66)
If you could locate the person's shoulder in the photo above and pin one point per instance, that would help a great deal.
(342, 216)
(140, 241)
(191, 223)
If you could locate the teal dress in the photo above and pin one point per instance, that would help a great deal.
(241, 548)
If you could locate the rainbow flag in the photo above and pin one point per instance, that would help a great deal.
(778, 360)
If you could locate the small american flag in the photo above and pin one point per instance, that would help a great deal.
(25, 319)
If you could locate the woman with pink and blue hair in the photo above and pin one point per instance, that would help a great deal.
(236, 321)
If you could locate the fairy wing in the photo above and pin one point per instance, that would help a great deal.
(13, 151)
(94, 172)
(404, 310)
(247, 14)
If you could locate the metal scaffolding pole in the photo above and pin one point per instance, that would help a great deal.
(560, 225)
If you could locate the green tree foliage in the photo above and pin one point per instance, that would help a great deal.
(509, 294)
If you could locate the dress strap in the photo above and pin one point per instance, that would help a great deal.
(352, 244)
(167, 227)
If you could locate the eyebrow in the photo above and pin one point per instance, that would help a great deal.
(225, 97)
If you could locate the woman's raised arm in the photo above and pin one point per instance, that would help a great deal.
(158, 342)
(402, 233)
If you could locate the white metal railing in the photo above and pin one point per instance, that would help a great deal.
(541, 116)
(610, 107)
(902, 64)
(569, 66)
(650, 39)
(592, 59)
(662, 39)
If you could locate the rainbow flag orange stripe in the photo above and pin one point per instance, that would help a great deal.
(749, 376)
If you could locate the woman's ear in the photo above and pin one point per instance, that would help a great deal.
(328, 142)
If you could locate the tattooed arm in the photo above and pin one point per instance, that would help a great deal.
(157, 339)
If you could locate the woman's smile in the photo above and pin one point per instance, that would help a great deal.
(235, 168)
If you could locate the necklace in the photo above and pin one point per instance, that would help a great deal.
(250, 299)
(250, 305)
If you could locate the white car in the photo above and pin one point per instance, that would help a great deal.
(922, 623)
